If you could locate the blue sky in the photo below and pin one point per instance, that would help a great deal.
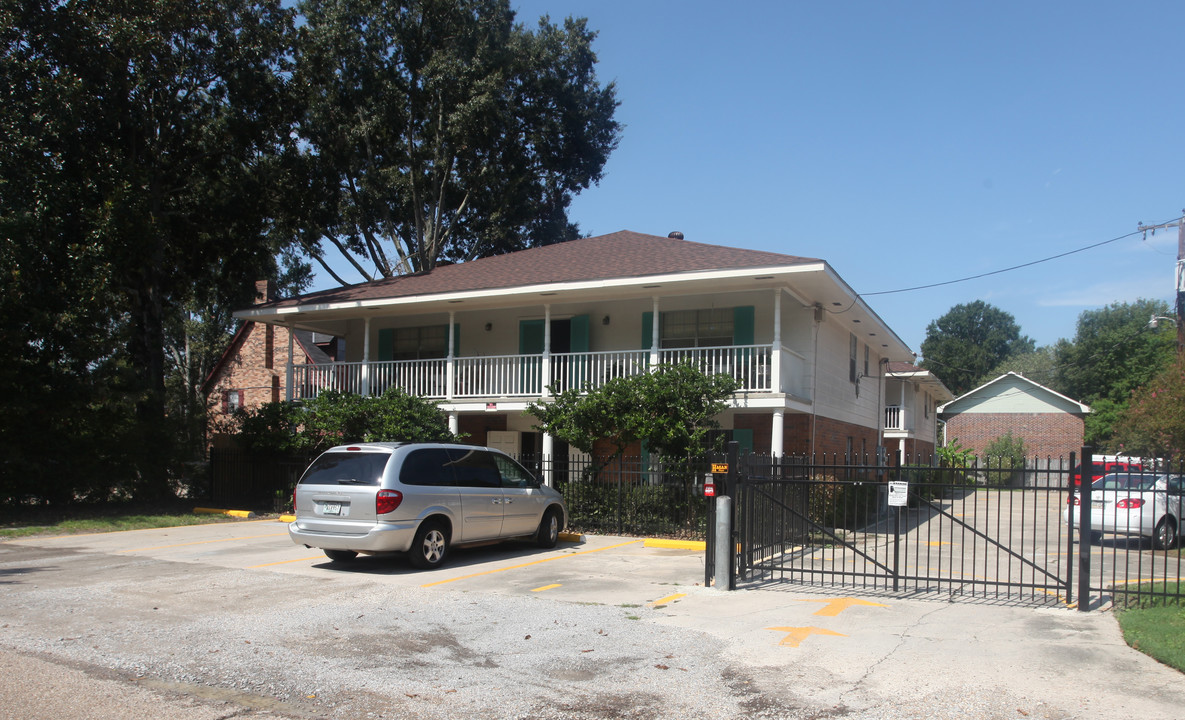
(906, 143)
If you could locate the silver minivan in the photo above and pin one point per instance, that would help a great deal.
(419, 499)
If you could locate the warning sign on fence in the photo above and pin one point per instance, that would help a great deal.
(898, 494)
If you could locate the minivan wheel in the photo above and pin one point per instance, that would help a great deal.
(548, 533)
(430, 546)
(341, 555)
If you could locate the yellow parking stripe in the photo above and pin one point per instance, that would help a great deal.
(534, 562)
(553, 586)
(285, 562)
(668, 599)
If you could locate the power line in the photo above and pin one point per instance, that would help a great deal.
(1142, 229)
(1007, 269)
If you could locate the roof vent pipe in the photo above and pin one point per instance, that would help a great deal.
(676, 235)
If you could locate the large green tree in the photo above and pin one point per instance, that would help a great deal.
(968, 341)
(1038, 365)
(672, 410)
(1153, 424)
(136, 163)
(441, 130)
(1113, 352)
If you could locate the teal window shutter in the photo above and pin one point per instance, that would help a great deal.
(530, 337)
(580, 331)
(457, 340)
(647, 330)
(386, 344)
(743, 321)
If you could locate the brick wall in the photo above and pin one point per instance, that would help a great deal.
(474, 427)
(1045, 434)
(255, 370)
(830, 436)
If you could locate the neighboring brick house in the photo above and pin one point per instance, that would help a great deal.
(1051, 424)
(252, 370)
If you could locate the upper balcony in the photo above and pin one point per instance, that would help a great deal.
(531, 376)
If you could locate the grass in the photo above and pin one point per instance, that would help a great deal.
(1156, 627)
(99, 518)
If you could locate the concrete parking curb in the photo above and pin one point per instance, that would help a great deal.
(571, 537)
(287, 518)
(219, 511)
(675, 544)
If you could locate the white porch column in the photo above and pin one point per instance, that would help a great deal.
(450, 364)
(454, 423)
(904, 425)
(778, 439)
(654, 357)
(548, 461)
(365, 357)
(546, 379)
(775, 357)
(288, 390)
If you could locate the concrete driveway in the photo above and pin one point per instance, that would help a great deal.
(233, 618)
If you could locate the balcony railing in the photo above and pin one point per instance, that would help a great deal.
(526, 376)
(894, 417)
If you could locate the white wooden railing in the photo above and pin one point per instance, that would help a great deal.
(894, 417)
(504, 376)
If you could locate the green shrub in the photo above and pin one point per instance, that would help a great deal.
(1004, 458)
(333, 418)
(843, 505)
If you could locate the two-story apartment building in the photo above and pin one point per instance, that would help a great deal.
(912, 398)
(484, 338)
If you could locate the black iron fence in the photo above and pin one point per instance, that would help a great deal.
(990, 530)
(632, 495)
(252, 480)
(621, 496)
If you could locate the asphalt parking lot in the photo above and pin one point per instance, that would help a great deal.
(233, 618)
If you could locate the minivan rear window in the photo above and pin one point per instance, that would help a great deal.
(348, 468)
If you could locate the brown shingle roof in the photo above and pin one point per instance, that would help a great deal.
(616, 255)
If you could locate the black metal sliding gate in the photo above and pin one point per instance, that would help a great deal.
(987, 532)
(991, 533)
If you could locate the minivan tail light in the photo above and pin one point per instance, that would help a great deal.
(1130, 503)
(386, 501)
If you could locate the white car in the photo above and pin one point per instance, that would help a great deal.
(1145, 504)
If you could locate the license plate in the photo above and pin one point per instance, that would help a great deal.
(331, 509)
(1097, 505)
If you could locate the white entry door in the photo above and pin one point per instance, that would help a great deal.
(508, 441)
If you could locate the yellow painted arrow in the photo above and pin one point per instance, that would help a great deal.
(797, 634)
(837, 605)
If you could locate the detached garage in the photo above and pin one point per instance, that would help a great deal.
(1051, 424)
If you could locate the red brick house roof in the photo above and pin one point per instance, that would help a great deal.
(616, 255)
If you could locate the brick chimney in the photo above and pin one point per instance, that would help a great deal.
(265, 291)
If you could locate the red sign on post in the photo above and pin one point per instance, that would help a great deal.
(709, 490)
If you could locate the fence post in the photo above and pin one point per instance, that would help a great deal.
(733, 540)
(723, 540)
(896, 475)
(1070, 528)
(1086, 479)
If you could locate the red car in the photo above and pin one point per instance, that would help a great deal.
(1106, 467)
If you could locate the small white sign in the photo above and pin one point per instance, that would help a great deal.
(898, 494)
